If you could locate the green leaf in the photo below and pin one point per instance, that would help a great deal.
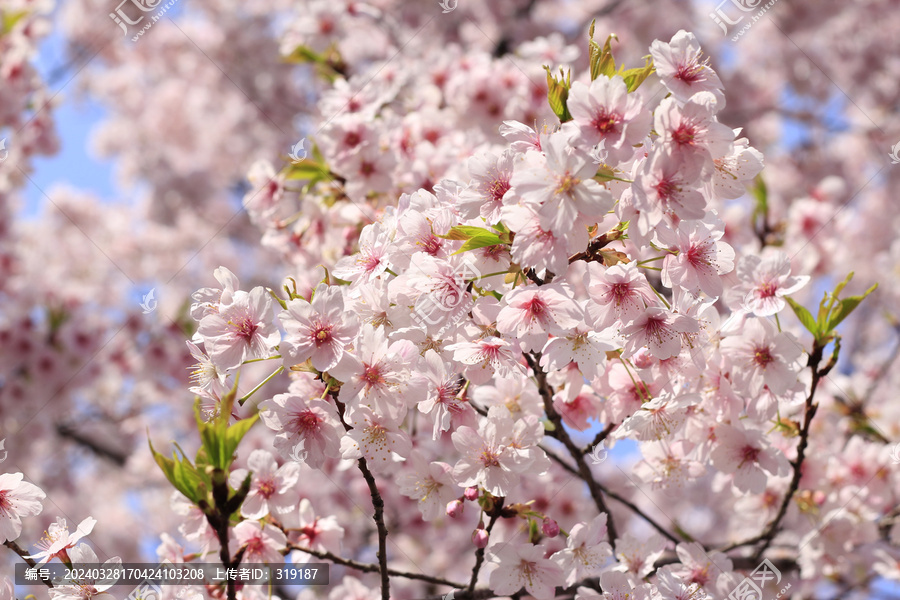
(847, 306)
(761, 193)
(179, 472)
(558, 93)
(308, 170)
(464, 232)
(10, 19)
(635, 77)
(236, 433)
(602, 61)
(480, 241)
(805, 316)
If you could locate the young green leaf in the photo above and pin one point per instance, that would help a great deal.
(806, 318)
(558, 94)
(847, 306)
(635, 77)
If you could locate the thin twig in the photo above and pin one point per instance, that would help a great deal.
(584, 471)
(373, 568)
(378, 504)
(479, 556)
(24, 555)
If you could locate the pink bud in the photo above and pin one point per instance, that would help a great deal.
(642, 359)
(471, 493)
(550, 527)
(455, 508)
(480, 538)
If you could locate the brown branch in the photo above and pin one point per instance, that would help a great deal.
(378, 504)
(479, 553)
(584, 471)
(595, 245)
(622, 500)
(599, 438)
(24, 555)
(810, 409)
(67, 431)
(373, 568)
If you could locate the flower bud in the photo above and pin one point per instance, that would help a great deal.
(550, 527)
(455, 508)
(471, 493)
(480, 538)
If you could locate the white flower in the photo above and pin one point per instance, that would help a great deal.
(524, 565)
(271, 486)
(18, 499)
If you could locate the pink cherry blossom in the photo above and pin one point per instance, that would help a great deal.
(765, 282)
(318, 330)
(375, 438)
(763, 357)
(320, 533)
(559, 183)
(747, 455)
(57, 540)
(586, 550)
(18, 499)
(430, 484)
(261, 543)
(604, 111)
(701, 258)
(524, 565)
(692, 128)
(619, 294)
(241, 330)
(532, 312)
(680, 65)
(271, 487)
(314, 423)
(660, 330)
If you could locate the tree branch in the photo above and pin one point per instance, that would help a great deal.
(378, 504)
(479, 553)
(24, 555)
(584, 472)
(373, 568)
(810, 409)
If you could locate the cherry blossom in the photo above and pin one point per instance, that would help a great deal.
(262, 543)
(558, 182)
(271, 487)
(524, 565)
(18, 498)
(240, 330)
(586, 551)
(765, 282)
(747, 455)
(604, 112)
(318, 330)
